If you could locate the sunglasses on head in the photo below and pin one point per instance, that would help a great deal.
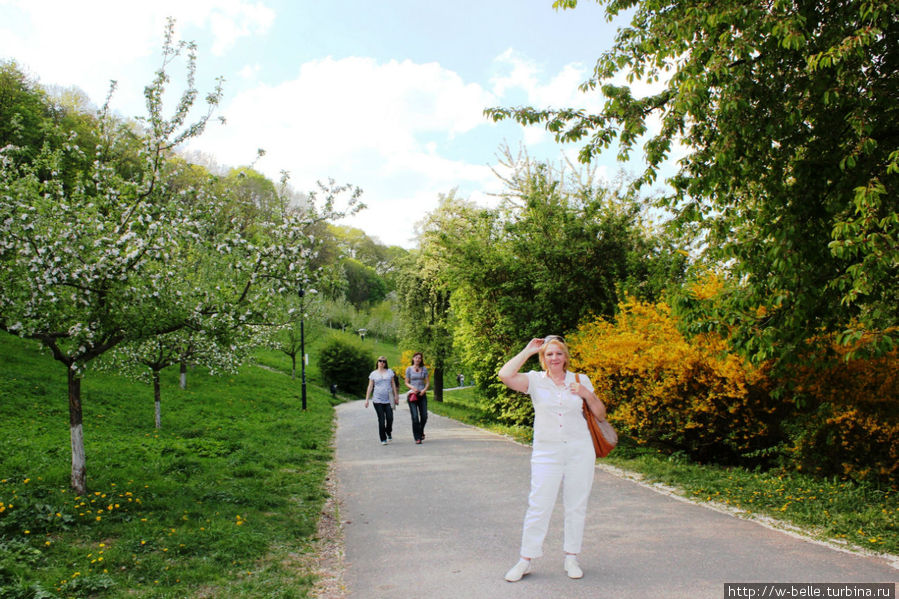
(549, 338)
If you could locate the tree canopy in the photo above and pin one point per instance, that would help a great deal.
(789, 113)
(553, 253)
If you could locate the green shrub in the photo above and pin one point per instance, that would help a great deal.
(346, 364)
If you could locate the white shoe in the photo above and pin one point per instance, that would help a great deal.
(572, 567)
(520, 569)
(383, 442)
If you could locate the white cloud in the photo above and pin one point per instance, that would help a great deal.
(63, 42)
(250, 71)
(523, 76)
(379, 125)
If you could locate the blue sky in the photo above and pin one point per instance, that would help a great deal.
(384, 95)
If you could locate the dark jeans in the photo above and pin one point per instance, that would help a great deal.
(385, 420)
(419, 410)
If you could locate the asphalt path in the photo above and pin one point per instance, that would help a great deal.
(443, 520)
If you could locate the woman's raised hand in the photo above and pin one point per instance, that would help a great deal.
(534, 345)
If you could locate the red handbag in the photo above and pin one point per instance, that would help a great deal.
(604, 436)
(413, 396)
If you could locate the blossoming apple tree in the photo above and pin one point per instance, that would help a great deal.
(123, 250)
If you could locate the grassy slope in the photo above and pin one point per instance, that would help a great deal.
(281, 362)
(216, 503)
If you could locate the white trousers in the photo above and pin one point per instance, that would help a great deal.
(569, 465)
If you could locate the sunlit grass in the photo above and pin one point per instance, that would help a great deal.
(281, 362)
(216, 503)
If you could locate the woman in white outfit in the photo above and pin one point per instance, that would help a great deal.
(562, 453)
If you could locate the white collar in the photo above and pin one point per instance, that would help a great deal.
(568, 376)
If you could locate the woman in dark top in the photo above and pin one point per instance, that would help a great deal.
(417, 380)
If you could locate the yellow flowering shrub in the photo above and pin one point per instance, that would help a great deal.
(662, 388)
(839, 417)
(854, 428)
(405, 361)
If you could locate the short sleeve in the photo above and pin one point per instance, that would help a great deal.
(585, 381)
(372, 375)
(532, 375)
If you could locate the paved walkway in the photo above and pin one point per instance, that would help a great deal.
(443, 520)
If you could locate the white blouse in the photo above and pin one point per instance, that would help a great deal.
(558, 413)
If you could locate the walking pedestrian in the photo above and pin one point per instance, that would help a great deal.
(417, 379)
(382, 392)
(562, 453)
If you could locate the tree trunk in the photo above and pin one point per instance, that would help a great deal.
(438, 384)
(157, 398)
(293, 369)
(183, 374)
(76, 433)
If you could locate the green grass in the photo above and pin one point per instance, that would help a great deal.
(217, 503)
(462, 405)
(860, 514)
(281, 362)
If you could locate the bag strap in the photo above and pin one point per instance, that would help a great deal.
(587, 409)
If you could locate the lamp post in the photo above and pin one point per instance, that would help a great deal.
(302, 292)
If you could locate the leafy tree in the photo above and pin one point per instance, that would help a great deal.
(789, 111)
(364, 285)
(555, 252)
(424, 299)
(24, 109)
(179, 347)
(295, 332)
(383, 320)
(124, 250)
(339, 314)
(255, 199)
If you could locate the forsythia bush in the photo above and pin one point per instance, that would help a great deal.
(840, 417)
(406, 361)
(689, 395)
(853, 427)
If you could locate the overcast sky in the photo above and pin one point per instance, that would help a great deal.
(387, 96)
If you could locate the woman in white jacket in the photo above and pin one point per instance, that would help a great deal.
(562, 453)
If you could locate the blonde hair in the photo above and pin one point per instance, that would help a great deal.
(547, 341)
